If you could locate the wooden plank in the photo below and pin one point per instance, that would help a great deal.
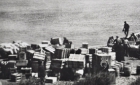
(39, 56)
(22, 56)
(21, 62)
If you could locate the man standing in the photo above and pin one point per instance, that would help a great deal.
(126, 28)
(118, 48)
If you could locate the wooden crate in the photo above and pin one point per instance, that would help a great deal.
(11, 64)
(50, 49)
(51, 80)
(48, 55)
(88, 57)
(35, 75)
(28, 75)
(92, 50)
(25, 70)
(45, 42)
(77, 61)
(106, 49)
(13, 70)
(113, 55)
(5, 69)
(34, 66)
(77, 57)
(39, 56)
(84, 51)
(56, 40)
(62, 53)
(34, 46)
(57, 64)
(101, 62)
(22, 56)
(69, 46)
(12, 57)
(29, 54)
(15, 77)
(22, 49)
(21, 62)
(112, 75)
(89, 60)
(85, 45)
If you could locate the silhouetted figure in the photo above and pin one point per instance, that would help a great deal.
(116, 42)
(133, 37)
(119, 49)
(126, 28)
(72, 51)
(78, 51)
(110, 41)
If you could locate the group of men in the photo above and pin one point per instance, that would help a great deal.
(120, 45)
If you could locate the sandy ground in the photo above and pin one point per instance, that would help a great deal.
(91, 21)
(128, 80)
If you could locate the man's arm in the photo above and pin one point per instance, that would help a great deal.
(123, 28)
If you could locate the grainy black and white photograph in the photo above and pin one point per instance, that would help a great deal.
(69, 42)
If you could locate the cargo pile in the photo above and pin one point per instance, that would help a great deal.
(61, 59)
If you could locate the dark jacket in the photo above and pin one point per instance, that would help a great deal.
(126, 27)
